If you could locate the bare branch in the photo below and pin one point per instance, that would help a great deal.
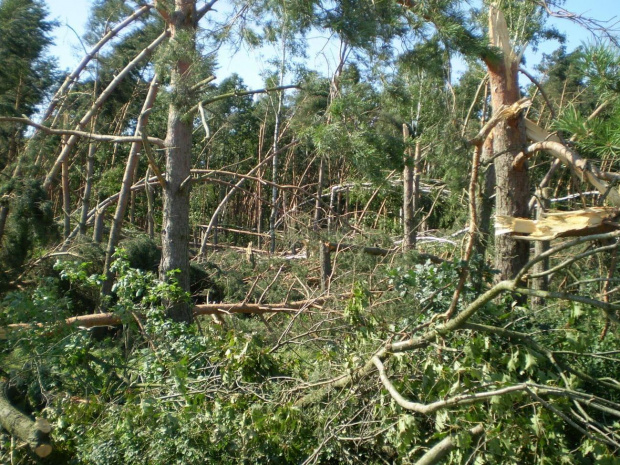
(445, 446)
(88, 135)
(97, 104)
(243, 93)
(72, 78)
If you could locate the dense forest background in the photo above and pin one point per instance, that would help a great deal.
(383, 265)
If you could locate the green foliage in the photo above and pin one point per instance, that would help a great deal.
(26, 73)
(30, 224)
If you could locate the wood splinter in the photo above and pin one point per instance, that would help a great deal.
(594, 220)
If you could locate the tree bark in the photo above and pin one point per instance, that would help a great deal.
(512, 192)
(150, 202)
(484, 204)
(88, 187)
(175, 228)
(98, 226)
(125, 192)
(408, 194)
(34, 433)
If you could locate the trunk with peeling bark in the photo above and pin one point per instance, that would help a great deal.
(512, 183)
(175, 228)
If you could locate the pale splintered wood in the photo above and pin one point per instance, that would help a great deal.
(561, 224)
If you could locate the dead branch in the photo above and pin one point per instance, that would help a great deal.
(72, 78)
(87, 135)
(99, 102)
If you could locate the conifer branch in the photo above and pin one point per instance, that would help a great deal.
(242, 93)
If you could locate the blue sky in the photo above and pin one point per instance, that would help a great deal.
(72, 14)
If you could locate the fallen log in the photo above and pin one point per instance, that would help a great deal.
(33, 432)
(113, 319)
(594, 220)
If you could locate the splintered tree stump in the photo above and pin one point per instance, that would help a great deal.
(33, 432)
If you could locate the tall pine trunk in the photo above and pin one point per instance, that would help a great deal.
(175, 227)
(512, 184)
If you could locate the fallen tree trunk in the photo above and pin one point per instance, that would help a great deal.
(112, 319)
(34, 433)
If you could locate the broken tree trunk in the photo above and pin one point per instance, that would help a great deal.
(550, 226)
(601, 181)
(484, 202)
(113, 319)
(88, 187)
(128, 178)
(68, 147)
(512, 194)
(33, 432)
(540, 247)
